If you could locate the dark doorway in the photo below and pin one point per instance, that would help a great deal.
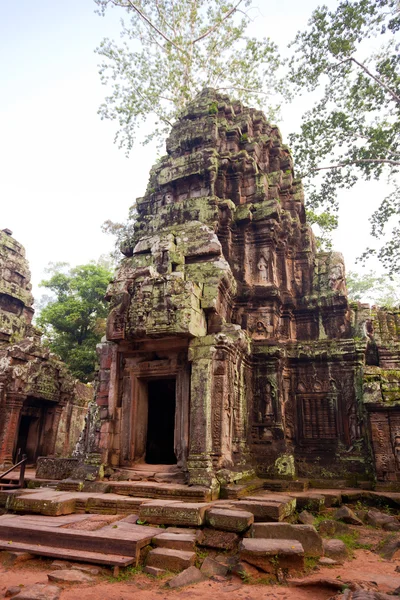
(27, 441)
(161, 422)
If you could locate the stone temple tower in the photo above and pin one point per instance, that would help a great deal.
(230, 341)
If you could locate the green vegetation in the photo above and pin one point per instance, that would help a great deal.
(352, 132)
(370, 287)
(74, 317)
(170, 52)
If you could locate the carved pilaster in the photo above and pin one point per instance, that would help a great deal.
(9, 427)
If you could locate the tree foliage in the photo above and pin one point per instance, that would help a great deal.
(376, 289)
(353, 130)
(171, 50)
(73, 319)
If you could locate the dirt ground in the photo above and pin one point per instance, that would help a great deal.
(367, 569)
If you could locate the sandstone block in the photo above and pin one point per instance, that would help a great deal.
(175, 540)
(44, 503)
(266, 511)
(14, 558)
(187, 577)
(170, 559)
(13, 591)
(213, 538)
(229, 520)
(211, 567)
(330, 527)
(377, 518)
(245, 570)
(39, 591)
(309, 501)
(345, 514)
(173, 513)
(306, 518)
(307, 535)
(271, 555)
(327, 562)
(69, 576)
(335, 549)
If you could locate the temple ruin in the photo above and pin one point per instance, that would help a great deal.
(42, 406)
(232, 349)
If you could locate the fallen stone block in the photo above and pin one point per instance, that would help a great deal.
(170, 560)
(44, 503)
(213, 538)
(377, 518)
(245, 570)
(187, 577)
(69, 576)
(327, 562)
(335, 549)
(175, 540)
(60, 564)
(306, 518)
(309, 501)
(330, 527)
(14, 558)
(173, 513)
(266, 511)
(271, 555)
(39, 591)
(211, 567)
(307, 535)
(345, 514)
(229, 520)
(87, 569)
(13, 591)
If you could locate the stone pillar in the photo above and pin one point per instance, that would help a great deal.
(9, 427)
(200, 447)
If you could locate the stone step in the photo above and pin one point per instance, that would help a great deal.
(106, 540)
(235, 491)
(97, 558)
(267, 510)
(165, 512)
(170, 559)
(154, 490)
(176, 541)
(285, 485)
(229, 520)
(307, 535)
(272, 555)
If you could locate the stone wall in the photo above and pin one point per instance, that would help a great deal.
(223, 290)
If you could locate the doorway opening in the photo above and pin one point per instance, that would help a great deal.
(28, 438)
(161, 422)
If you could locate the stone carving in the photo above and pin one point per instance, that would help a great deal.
(222, 281)
(42, 406)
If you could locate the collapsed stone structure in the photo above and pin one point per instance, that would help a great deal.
(42, 406)
(231, 345)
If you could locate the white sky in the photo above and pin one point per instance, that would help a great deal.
(61, 176)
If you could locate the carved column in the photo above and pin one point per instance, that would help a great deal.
(9, 426)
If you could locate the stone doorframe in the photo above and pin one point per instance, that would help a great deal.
(135, 406)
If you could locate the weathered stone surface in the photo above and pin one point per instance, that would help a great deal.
(229, 520)
(213, 538)
(170, 559)
(69, 576)
(335, 549)
(306, 518)
(305, 534)
(246, 570)
(271, 555)
(331, 527)
(211, 567)
(179, 541)
(222, 295)
(327, 562)
(345, 514)
(13, 558)
(187, 577)
(310, 501)
(13, 591)
(89, 570)
(380, 519)
(266, 511)
(44, 502)
(60, 564)
(39, 591)
(173, 513)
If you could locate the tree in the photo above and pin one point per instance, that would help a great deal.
(376, 289)
(74, 319)
(353, 130)
(170, 51)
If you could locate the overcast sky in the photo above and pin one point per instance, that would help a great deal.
(61, 175)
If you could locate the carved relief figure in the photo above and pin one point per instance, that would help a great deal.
(397, 451)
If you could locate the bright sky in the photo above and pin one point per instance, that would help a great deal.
(61, 175)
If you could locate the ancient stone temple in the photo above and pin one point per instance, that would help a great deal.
(42, 407)
(232, 349)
